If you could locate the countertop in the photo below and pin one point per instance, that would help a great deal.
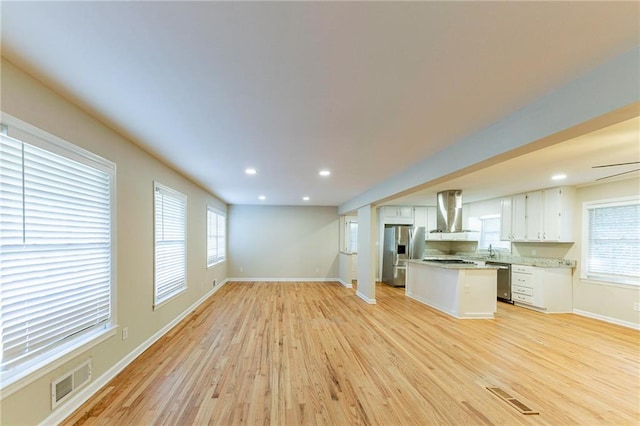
(478, 265)
(507, 258)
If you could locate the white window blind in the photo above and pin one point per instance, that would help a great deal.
(216, 236)
(55, 249)
(613, 242)
(490, 234)
(352, 236)
(170, 243)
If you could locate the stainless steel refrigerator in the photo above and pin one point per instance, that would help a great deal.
(401, 242)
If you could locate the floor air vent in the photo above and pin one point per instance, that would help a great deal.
(64, 386)
(511, 400)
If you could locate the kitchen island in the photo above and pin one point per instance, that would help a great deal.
(461, 290)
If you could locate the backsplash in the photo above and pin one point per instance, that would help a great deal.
(507, 258)
(468, 249)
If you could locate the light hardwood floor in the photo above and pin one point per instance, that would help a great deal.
(314, 353)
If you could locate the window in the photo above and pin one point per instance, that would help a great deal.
(612, 241)
(215, 236)
(170, 244)
(56, 252)
(490, 234)
(351, 232)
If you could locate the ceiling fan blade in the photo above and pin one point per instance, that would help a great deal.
(618, 174)
(616, 164)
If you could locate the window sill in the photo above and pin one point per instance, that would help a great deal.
(594, 281)
(10, 384)
(213, 265)
(163, 302)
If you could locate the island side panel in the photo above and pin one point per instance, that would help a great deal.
(434, 286)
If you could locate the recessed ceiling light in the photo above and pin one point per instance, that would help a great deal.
(305, 198)
(559, 176)
(324, 173)
(250, 171)
(262, 198)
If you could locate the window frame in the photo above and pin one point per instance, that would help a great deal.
(217, 214)
(48, 360)
(500, 248)
(158, 302)
(347, 236)
(606, 279)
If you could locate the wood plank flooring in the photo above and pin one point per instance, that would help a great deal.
(314, 353)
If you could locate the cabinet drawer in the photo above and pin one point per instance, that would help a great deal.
(522, 280)
(522, 290)
(522, 269)
(522, 298)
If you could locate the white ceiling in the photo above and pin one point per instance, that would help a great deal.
(365, 89)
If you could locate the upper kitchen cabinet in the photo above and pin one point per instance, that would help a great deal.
(425, 216)
(558, 204)
(505, 219)
(540, 216)
(396, 215)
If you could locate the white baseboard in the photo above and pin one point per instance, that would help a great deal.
(365, 298)
(65, 410)
(604, 318)
(346, 284)
(318, 280)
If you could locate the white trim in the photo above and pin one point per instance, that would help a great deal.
(607, 279)
(605, 318)
(65, 410)
(345, 284)
(319, 280)
(57, 356)
(365, 298)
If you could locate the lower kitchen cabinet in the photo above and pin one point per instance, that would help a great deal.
(545, 289)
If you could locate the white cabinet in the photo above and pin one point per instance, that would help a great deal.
(557, 214)
(505, 219)
(420, 217)
(539, 216)
(534, 215)
(546, 289)
(397, 215)
(519, 217)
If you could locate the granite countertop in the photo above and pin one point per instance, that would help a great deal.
(478, 265)
(529, 261)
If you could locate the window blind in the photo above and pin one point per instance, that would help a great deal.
(55, 250)
(216, 236)
(170, 250)
(352, 236)
(613, 242)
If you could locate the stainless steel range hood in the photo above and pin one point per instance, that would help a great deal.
(449, 211)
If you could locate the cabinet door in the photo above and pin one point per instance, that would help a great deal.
(534, 216)
(558, 214)
(420, 217)
(431, 224)
(551, 214)
(518, 217)
(405, 212)
(505, 219)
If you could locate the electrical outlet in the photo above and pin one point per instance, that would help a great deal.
(125, 333)
(214, 283)
(241, 269)
(636, 306)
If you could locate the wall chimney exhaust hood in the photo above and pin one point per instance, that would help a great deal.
(449, 211)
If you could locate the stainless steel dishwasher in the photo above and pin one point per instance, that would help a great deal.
(504, 280)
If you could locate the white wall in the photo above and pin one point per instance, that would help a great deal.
(283, 242)
(27, 99)
(613, 302)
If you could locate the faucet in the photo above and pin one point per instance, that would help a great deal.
(491, 253)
